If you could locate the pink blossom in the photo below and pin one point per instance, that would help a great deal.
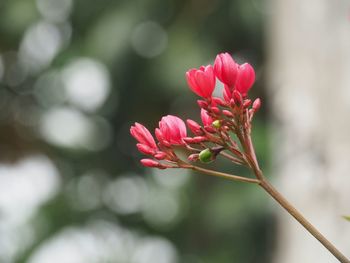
(226, 69)
(201, 81)
(245, 78)
(143, 136)
(171, 131)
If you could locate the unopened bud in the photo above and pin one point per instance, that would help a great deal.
(227, 113)
(237, 97)
(232, 103)
(216, 124)
(202, 104)
(193, 157)
(206, 156)
(219, 101)
(145, 149)
(199, 139)
(160, 155)
(194, 127)
(188, 140)
(247, 103)
(256, 104)
(150, 163)
(215, 110)
(209, 129)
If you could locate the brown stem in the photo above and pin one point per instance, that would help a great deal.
(223, 175)
(285, 203)
(302, 220)
(232, 158)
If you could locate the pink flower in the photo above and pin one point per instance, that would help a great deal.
(206, 119)
(171, 131)
(144, 137)
(152, 163)
(201, 81)
(226, 69)
(245, 78)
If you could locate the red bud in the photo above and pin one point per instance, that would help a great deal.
(256, 104)
(202, 104)
(215, 110)
(145, 149)
(237, 97)
(227, 113)
(160, 155)
(247, 103)
(194, 127)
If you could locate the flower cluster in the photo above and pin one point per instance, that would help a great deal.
(225, 131)
(226, 120)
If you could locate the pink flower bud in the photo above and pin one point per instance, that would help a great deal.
(160, 155)
(188, 140)
(172, 130)
(206, 119)
(194, 127)
(227, 113)
(232, 103)
(143, 136)
(245, 78)
(201, 81)
(150, 163)
(209, 129)
(226, 69)
(237, 97)
(215, 110)
(202, 104)
(219, 101)
(193, 157)
(256, 104)
(145, 149)
(161, 138)
(199, 139)
(246, 103)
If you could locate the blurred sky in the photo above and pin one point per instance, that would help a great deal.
(74, 75)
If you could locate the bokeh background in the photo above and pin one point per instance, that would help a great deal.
(74, 75)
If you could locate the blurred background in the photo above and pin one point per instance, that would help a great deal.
(75, 74)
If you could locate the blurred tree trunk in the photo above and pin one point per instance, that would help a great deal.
(309, 81)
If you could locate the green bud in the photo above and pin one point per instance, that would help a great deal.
(216, 124)
(206, 156)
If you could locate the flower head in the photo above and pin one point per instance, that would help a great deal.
(171, 131)
(226, 69)
(201, 81)
(245, 78)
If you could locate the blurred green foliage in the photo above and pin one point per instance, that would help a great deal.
(136, 52)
